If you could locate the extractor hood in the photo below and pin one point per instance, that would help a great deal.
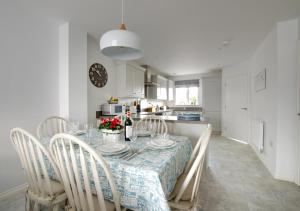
(149, 77)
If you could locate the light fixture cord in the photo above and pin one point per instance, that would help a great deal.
(122, 11)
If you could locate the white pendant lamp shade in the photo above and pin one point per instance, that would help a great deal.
(121, 44)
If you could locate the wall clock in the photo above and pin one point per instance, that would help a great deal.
(98, 75)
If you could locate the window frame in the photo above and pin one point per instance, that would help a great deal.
(187, 96)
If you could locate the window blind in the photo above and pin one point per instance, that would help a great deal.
(187, 83)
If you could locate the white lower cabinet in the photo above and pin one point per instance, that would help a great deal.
(130, 81)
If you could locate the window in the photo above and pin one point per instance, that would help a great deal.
(187, 92)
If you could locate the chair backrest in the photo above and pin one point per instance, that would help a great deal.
(159, 124)
(196, 149)
(35, 160)
(75, 158)
(51, 126)
(196, 169)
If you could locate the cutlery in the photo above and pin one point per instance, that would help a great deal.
(131, 152)
(136, 153)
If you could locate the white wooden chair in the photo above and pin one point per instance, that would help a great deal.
(72, 156)
(35, 160)
(51, 126)
(185, 193)
(159, 124)
(196, 148)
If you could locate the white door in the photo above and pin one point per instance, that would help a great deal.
(236, 113)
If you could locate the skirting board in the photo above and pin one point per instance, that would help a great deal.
(13, 190)
(218, 133)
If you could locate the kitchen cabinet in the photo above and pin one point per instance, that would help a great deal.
(139, 86)
(211, 101)
(171, 88)
(159, 89)
(162, 88)
(130, 81)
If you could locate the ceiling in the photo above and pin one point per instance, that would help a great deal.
(180, 36)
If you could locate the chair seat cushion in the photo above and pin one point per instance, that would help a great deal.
(56, 187)
(188, 191)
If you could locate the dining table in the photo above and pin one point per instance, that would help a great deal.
(147, 179)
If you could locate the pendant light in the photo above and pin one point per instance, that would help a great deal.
(121, 44)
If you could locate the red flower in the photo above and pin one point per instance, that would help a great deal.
(110, 123)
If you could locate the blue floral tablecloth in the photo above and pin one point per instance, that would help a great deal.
(146, 181)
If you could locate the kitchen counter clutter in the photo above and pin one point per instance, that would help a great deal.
(190, 129)
(169, 118)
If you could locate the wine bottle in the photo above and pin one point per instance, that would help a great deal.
(128, 127)
(138, 107)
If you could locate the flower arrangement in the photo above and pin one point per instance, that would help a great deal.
(111, 124)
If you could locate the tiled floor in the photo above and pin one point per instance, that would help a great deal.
(235, 181)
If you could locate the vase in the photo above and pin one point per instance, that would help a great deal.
(111, 135)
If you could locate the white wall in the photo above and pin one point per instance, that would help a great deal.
(97, 96)
(277, 104)
(287, 126)
(264, 103)
(73, 77)
(28, 80)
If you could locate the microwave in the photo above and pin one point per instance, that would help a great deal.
(112, 109)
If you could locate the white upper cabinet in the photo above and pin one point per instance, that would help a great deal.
(130, 81)
(139, 82)
(162, 89)
(171, 89)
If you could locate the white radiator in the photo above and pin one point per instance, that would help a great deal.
(258, 134)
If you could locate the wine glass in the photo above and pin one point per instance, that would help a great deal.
(72, 127)
(152, 128)
(88, 129)
(134, 134)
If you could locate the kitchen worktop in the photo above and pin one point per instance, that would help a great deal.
(155, 112)
(168, 118)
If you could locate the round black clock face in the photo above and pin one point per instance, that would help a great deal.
(98, 75)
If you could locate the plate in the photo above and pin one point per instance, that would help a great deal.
(143, 133)
(161, 143)
(156, 147)
(78, 132)
(125, 150)
(112, 148)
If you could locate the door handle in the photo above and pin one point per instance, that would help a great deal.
(244, 109)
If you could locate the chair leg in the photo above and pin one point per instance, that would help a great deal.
(28, 203)
(36, 206)
(196, 208)
(58, 207)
